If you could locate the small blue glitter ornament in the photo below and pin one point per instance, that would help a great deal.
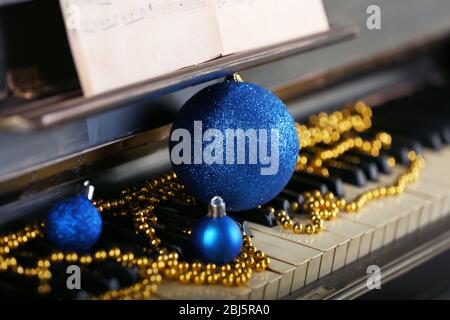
(74, 224)
(217, 238)
(209, 158)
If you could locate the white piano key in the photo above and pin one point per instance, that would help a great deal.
(339, 256)
(355, 232)
(409, 220)
(437, 171)
(385, 215)
(319, 265)
(306, 260)
(433, 192)
(286, 271)
(436, 166)
(429, 190)
(314, 267)
(177, 291)
(264, 285)
(366, 244)
(326, 242)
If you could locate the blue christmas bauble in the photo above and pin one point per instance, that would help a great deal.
(217, 240)
(249, 172)
(74, 224)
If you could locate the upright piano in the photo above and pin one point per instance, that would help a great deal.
(52, 139)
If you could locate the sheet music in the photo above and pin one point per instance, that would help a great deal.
(250, 24)
(120, 42)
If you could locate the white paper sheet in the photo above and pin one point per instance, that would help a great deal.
(251, 24)
(116, 43)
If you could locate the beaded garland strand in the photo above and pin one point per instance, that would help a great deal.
(139, 203)
(327, 129)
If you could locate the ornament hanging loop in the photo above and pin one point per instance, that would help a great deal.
(216, 208)
(236, 77)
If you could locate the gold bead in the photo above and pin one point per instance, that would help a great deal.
(310, 229)
(298, 228)
(287, 224)
(259, 255)
(350, 207)
(319, 226)
(259, 267)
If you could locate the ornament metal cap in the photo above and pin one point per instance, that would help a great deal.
(236, 77)
(216, 208)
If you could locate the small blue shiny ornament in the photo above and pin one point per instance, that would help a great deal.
(74, 224)
(217, 238)
(234, 105)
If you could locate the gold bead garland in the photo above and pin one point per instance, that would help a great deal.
(326, 207)
(139, 204)
(331, 129)
(328, 128)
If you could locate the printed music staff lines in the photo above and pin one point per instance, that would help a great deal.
(113, 13)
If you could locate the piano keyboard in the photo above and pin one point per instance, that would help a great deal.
(297, 260)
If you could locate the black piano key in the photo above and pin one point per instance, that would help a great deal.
(400, 154)
(293, 196)
(410, 143)
(280, 203)
(25, 257)
(82, 295)
(176, 242)
(40, 247)
(24, 285)
(333, 184)
(258, 215)
(110, 269)
(296, 199)
(124, 238)
(369, 168)
(93, 282)
(303, 184)
(246, 229)
(398, 141)
(263, 216)
(123, 221)
(445, 132)
(417, 114)
(429, 137)
(381, 161)
(350, 174)
(10, 290)
(195, 212)
(176, 218)
(130, 241)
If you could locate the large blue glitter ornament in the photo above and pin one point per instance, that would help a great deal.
(74, 224)
(217, 238)
(234, 105)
